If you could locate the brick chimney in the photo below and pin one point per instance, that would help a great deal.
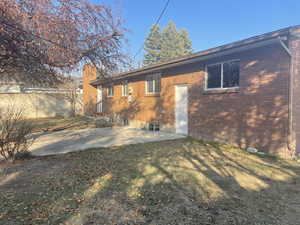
(89, 92)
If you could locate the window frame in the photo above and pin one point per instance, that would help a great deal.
(154, 84)
(113, 91)
(123, 88)
(222, 75)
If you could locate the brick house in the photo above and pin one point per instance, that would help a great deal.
(245, 93)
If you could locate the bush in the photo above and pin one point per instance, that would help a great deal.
(13, 133)
(22, 155)
(102, 123)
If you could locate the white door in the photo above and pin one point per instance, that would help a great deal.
(99, 100)
(181, 109)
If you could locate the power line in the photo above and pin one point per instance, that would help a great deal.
(156, 23)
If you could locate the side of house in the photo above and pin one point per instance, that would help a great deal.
(239, 93)
(294, 116)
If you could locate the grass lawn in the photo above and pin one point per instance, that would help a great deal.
(52, 124)
(171, 182)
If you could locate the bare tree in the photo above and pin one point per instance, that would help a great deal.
(13, 132)
(39, 38)
(71, 93)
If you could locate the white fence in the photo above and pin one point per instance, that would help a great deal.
(41, 103)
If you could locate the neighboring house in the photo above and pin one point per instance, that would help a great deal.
(246, 93)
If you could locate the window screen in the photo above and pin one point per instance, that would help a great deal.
(110, 91)
(231, 73)
(153, 84)
(150, 88)
(157, 84)
(223, 75)
(214, 76)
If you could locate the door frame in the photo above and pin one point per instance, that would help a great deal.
(99, 99)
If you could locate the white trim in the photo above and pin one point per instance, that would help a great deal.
(285, 47)
(222, 75)
(219, 63)
(99, 99)
(146, 84)
(123, 90)
(153, 88)
(177, 125)
(215, 89)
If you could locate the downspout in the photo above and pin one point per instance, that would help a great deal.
(290, 97)
(285, 47)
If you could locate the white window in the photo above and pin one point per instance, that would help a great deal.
(223, 75)
(125, 88)
(153, 84)
(110, 91)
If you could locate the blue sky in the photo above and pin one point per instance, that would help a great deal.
(210, 23)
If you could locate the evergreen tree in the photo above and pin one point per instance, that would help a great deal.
(185, 43)
(167, 44)
(170, 41)
(152, 46)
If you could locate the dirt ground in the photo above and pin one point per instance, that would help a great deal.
(69, 123)
(170, 182)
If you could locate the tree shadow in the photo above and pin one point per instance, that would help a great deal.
(174, 182)
(254, 115)
(193, 182)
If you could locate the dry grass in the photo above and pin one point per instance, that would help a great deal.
(60, 123)
(171, 182)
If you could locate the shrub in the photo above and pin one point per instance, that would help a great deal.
(22, 155)
(14, 131)
(102, 123)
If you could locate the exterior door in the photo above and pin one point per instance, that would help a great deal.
(181, 109)
(99, 100)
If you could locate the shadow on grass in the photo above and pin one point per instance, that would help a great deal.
(171, 182)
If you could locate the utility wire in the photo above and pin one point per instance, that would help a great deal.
(156, 23)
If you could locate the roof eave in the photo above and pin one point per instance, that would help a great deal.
(190, 60)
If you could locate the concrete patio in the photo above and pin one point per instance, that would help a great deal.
(78, 140)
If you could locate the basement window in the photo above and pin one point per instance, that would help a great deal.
(154, 126)
(125, 122)
(223, 75)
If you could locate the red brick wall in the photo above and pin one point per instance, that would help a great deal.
(294, 46)
(256, 115)
(150, 107)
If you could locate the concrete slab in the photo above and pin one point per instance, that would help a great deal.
(78, 140)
